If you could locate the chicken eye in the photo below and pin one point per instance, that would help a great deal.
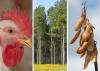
(10, 31)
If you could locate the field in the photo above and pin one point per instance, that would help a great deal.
(50, 67)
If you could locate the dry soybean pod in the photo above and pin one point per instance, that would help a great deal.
(79, 23)
(82, 48)
(82, 54)
(75, 37)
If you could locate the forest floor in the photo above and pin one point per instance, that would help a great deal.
(50, 67)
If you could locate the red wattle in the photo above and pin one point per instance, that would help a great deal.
(12, 55)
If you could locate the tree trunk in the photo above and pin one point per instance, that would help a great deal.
(37, 56)
(51, 49)
(63, 47)
(40, 49)
(54, 53)
(61, 51)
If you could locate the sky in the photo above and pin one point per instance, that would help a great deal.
(46, 3)
(75, 63)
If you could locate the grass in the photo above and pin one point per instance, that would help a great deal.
(50, 67)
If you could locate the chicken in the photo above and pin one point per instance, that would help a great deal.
(15, 34)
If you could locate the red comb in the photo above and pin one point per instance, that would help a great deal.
(22, 20)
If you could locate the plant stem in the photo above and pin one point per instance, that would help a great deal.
(96, 66)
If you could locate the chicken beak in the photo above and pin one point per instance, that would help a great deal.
(26, 42)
